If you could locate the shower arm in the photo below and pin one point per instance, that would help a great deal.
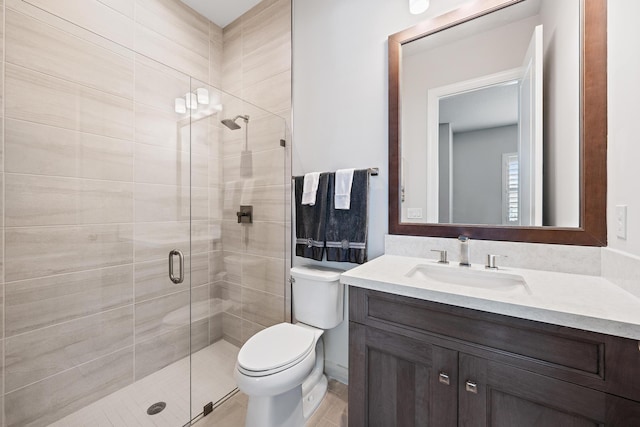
(245, 118)
(246, 135)
(231, 124)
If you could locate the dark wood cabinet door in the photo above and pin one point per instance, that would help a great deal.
(401, 382)
(497, 395)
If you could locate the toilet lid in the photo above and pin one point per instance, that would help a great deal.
(275, 347)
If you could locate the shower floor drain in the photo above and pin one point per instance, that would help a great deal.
(156, 408)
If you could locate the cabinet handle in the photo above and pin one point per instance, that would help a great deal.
(471, 387)
(444, 378)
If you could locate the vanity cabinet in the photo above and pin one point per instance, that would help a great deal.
(396, 380)
(418, 363)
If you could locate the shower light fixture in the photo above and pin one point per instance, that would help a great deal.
(416, 7)
(191, 101)
(202, 95)
(181, 106)
(196, 99)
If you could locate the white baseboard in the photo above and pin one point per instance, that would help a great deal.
(337, 372)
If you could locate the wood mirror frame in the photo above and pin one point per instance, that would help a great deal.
(593, 129)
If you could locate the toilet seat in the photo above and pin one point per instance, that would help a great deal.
(275, 349)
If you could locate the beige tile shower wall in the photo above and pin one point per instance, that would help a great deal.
(256, 60)
(256, 66)
(97, 172)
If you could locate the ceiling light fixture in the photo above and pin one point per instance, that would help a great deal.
(416, 7)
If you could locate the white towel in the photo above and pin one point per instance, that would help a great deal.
(342, 197)
(310, 188)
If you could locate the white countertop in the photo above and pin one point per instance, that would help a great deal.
(579, 301)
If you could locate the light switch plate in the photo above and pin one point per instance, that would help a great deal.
(414, 213)
(621, 221)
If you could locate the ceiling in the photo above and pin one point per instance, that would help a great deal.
(221, 12)
(471, 28)
(489, 107)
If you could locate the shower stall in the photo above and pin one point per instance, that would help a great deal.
(130, 275)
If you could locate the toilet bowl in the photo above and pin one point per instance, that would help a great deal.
(279, 383)
(281, 368)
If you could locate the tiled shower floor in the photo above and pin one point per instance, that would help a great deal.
(211, 379)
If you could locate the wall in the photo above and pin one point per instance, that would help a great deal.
(256, 66)
(477, 174)
(340, 107)
(624, 128)
(340, 91)
(621, 260)
(256, 62)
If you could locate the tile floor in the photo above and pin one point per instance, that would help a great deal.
(211, 379)
(127, 407)
(331, 413)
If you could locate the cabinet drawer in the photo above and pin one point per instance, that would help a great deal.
(569, 354)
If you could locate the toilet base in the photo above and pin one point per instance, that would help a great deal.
(293, 407)
(312, 400)
(287, 412)
(315, 386)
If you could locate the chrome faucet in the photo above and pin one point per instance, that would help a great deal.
(464, 251)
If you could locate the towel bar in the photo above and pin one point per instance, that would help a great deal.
(372, 172)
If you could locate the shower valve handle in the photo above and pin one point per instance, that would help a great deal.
(245, 215)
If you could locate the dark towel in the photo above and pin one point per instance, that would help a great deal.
(311, 221)
(346, 235)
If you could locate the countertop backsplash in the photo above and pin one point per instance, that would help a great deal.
(622, 269)
(536, 256)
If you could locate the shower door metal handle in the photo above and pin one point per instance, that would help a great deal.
(180, 277)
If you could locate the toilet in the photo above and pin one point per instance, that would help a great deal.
(281, 368)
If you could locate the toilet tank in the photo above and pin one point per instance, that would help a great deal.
(318, 296)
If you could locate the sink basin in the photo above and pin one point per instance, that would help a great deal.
(462, 276)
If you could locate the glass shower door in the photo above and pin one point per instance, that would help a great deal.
(97, 195)
(134, 272)
(212, 361)
(129, 281)
(163, 256)
(239, 205)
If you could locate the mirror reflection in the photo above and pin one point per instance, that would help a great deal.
(490, 119)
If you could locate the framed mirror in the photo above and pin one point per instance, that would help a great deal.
(498, 123)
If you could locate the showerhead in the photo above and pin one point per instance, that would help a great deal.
(231, 123)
